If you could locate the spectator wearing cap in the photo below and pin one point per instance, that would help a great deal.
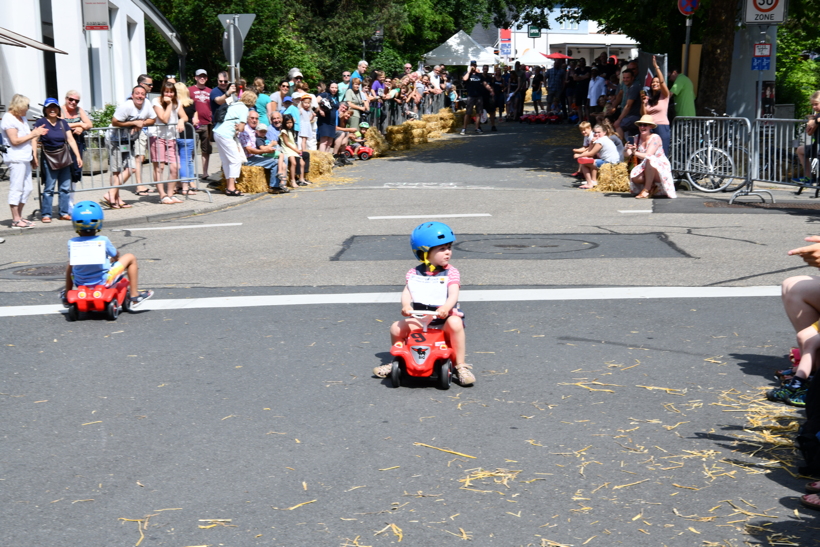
(293, 110)
(361, 71)
(295, 78)
(56, 142)
(201, 95)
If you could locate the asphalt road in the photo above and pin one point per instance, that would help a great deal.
(593, 422)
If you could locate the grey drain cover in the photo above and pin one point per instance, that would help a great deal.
(35, 271)
(520, 247)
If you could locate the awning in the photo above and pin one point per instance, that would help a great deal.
(13, 39)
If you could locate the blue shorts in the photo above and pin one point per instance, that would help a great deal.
(536, 96)
(599, 163)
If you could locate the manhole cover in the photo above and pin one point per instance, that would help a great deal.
(520, 247)
(525, 246)
(35, 271)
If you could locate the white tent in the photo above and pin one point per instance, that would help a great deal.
(460, 49)
(530, 57)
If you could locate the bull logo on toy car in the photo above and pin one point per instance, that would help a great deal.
(420, 353)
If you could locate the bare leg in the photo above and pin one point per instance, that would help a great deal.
(230, 185)
(17, 212)
(113, 195)
(138, 173)
(205, 159)
(129, 261)
(454, 334)
(803, 160)
(173, 169)
(157, 176)
(801, 300)
(649, 174)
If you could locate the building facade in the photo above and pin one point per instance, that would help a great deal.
(102, 65)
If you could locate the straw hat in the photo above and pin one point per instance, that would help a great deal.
(646, 119)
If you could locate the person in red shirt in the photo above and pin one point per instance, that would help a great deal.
(201, 94)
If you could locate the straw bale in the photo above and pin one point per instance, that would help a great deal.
(400, 146)
(398, 138)
(434, 135)
(431, 118)
(613, 177)
(397, 129)
(419, 133)
(321, 164)
(416, 124)
(433, 127)
(528, 96)
(375, 140)
(421, 139)
(252, 180)
(445, 112)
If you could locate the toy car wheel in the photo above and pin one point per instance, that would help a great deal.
(445, 374)
(364, 156)
(126, 303)
(348, 155)
(112, 310)
(73, 312)
(395, 374)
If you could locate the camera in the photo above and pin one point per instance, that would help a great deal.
(3, 148)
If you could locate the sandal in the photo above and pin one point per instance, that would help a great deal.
(167, 201)
(176, 199)
(587, 187)
(233, 193)
(643, 195)
(45, 220)
(810, 504)
(813, 487)
(142, 193)
(22, 225)
(124, 205)
(109, 204)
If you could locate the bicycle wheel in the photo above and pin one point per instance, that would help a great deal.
(740, 157)
(710, 169)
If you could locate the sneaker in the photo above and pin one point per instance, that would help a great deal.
(465, 377)
(2, 240)
(785, 372)
(463, 132)
(384, 370)
(63, 299)
(798, 398)
(787, 390)
(140, 298)
(478, 130)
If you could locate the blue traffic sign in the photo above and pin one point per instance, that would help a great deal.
(506, 49)
(761, 63)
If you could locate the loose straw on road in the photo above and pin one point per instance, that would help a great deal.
(444, 450)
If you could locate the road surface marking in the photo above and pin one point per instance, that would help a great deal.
(636, 211)
(432, 216)
(501, 295)
(177, 227)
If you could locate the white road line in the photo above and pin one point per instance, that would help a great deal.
(431, 216)
(187, 227)
(502, 295)
(636, 211)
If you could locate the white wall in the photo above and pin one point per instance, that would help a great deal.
(22, 69)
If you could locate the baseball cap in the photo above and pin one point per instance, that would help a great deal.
(287, 99)
(261, 127)
(201, 71)
(473, 63)
(51, 102)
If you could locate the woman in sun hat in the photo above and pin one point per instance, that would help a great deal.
(653, 175)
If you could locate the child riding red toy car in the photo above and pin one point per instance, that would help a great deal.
(424, 354)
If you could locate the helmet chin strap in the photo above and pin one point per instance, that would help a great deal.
(426, 262)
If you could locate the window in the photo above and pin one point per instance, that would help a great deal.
(569, 18)
(49, 60)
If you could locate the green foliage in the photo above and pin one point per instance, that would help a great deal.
(102, 117)
(390, 61)
(796, 78)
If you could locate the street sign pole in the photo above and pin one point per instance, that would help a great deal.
(232, 60)
(685, 68)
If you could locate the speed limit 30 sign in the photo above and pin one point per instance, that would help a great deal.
(765, 12)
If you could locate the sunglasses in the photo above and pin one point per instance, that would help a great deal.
(70, 100)
(222, 81)
(202, 76)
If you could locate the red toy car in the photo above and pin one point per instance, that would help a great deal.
(110, 300)
(424, 354)
(363, 152)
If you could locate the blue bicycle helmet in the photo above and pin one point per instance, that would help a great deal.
(429, 235)
(87, 215)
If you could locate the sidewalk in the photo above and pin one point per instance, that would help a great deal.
(144, 208)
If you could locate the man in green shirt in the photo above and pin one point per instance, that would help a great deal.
(683, 92)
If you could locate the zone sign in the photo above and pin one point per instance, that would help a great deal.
(765, 12)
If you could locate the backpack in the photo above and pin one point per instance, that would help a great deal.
(219, 113)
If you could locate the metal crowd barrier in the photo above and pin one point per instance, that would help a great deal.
(99, 145)
(394, 113)
(776, 160)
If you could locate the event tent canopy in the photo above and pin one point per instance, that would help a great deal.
(530, 57)
(460, 49)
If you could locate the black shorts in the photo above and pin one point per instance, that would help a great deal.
(437, 323)
(474, 102)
